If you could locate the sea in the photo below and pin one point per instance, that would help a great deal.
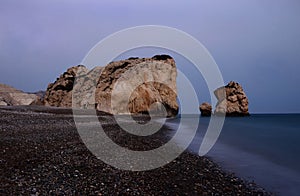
(264, 148)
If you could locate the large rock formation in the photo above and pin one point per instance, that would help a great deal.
(134, 86)
(10, 96)
(235, 103)
(205, 109)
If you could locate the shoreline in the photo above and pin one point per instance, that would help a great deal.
(43, 154)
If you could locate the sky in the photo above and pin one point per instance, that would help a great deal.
(256, 43)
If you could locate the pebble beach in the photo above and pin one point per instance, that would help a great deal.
(41, 153)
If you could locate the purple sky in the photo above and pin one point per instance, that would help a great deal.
(256, 43)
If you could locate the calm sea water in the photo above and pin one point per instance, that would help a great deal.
(263, 148)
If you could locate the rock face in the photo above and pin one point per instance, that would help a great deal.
(10, 96)
(2, 102)
(205, 109)
(235, 103)
(135, 85)
(59, 93)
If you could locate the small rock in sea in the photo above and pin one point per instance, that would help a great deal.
(205, 109)
(232, 100)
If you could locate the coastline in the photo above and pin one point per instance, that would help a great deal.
(42, 153)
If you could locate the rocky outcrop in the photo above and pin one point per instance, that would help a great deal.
(235, 103)
(59, 93)
(205, 109)
(10, 96)
(135, 85)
